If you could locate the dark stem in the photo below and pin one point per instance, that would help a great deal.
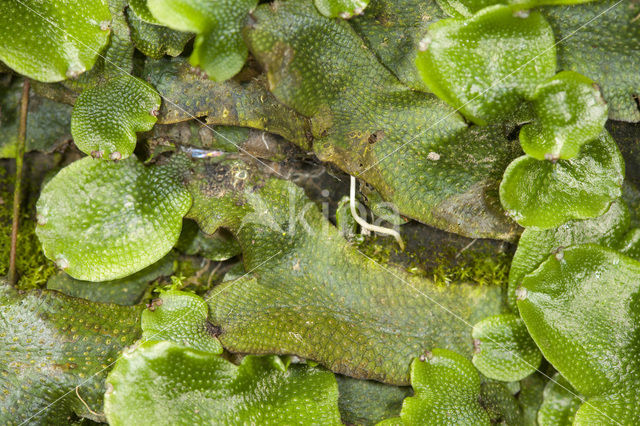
(22, 132)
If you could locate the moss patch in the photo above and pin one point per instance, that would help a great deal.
(33, 268)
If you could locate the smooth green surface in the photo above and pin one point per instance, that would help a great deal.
(153, 40)
(601, 40)
(102, 221)
(447, 390)
(341, 8)
(47, 126)
(49, 344)
(106, 118)
(560, 403)
(218, 49)
(503, 348)
(51, 41)
(180, 317)
(159, 381)
(486, 65)
(125, 291)
(309, 293)
(582, 309)
(545, 194)
(466, 8)
(411, 147)
(570, 111)
(536, 245)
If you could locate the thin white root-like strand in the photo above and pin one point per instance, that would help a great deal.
(364, 224)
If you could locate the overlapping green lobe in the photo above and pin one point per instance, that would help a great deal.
(219, 49)
(530, 396)
(226, 103)
(560, 403)
(446, 391)
(545, 194)
(536, 245)
(466, 8)
(52, 344)
(582, 309)
(106, 118)
(500, 404)
(486, 65)
(366, 402)
(154, 40)
(409, 145)
(116, 59)
(125, 291)
(52, 41)
(601, 40)
(630, 244)
(140, 8)
(341, 8)
(393, 30)
(180, 317)
(569, 112)
(503, 348)
(309, 293)
(162, 380)
(101, 221)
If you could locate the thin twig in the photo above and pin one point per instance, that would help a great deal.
(22, 133)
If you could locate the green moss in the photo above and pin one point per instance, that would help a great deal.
(481, 265)
(475, 267)
(33, 268)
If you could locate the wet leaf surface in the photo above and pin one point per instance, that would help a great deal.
(106, 118)
(582, 310)
(504, 349)
(103, 221)
(544, 194)
(341, 8)
(569, 112)
(486, 65)
(601, 40)
(447, 389)
(218, 49)
(162, 380)
(50, 41)
(536, 245)
(180, 317)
